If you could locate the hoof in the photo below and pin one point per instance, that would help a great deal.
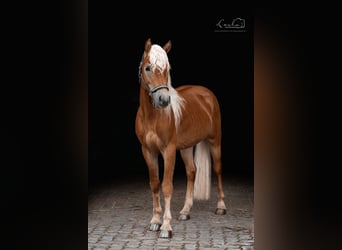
(165, 234)
(183, 217)
(220, 211)
(154, 227)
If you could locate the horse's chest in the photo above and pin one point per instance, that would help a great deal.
(152, 140)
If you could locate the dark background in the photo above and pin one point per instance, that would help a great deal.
(45, 98)
(221, 61)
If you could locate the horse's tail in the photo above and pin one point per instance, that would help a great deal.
(202, 159)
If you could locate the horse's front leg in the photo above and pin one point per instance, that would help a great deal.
(169, 156)
(151, 159)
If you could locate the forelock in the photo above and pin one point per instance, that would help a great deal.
(158, 58)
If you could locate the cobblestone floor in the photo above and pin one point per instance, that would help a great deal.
(119, 214)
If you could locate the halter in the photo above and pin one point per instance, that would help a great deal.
(149, 90)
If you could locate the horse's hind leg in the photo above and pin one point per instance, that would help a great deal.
(151, 159)
(188, 159)
(215, 150)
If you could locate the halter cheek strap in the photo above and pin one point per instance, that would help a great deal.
(155, 89)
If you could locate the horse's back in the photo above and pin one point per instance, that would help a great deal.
(197, 89)
(198, 94)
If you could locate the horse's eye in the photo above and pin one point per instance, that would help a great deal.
(148, 68)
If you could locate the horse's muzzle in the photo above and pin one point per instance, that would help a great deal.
(161, 99)
(164, 100)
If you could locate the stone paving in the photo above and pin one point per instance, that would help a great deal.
(119, 214)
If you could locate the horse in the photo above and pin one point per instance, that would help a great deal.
(186, 118)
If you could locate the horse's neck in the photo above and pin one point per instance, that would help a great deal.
(145, 102)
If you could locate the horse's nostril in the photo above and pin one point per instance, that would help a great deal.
(164, 100)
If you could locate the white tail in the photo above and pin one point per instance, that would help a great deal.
(202, 161)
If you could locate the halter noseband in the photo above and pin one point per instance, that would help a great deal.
(155, 89)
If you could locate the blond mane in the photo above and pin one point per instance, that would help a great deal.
(158, 59)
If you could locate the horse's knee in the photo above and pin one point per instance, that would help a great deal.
(154, 185)
(167, 188)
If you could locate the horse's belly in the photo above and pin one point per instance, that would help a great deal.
(187, 141)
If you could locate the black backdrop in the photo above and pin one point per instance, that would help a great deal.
(43, 165)
(202, 53)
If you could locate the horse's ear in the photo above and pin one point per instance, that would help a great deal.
(148, 45)
(167, 46)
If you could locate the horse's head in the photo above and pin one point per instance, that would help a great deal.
(154, 73)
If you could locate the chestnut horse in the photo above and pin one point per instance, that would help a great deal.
(186, 118)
